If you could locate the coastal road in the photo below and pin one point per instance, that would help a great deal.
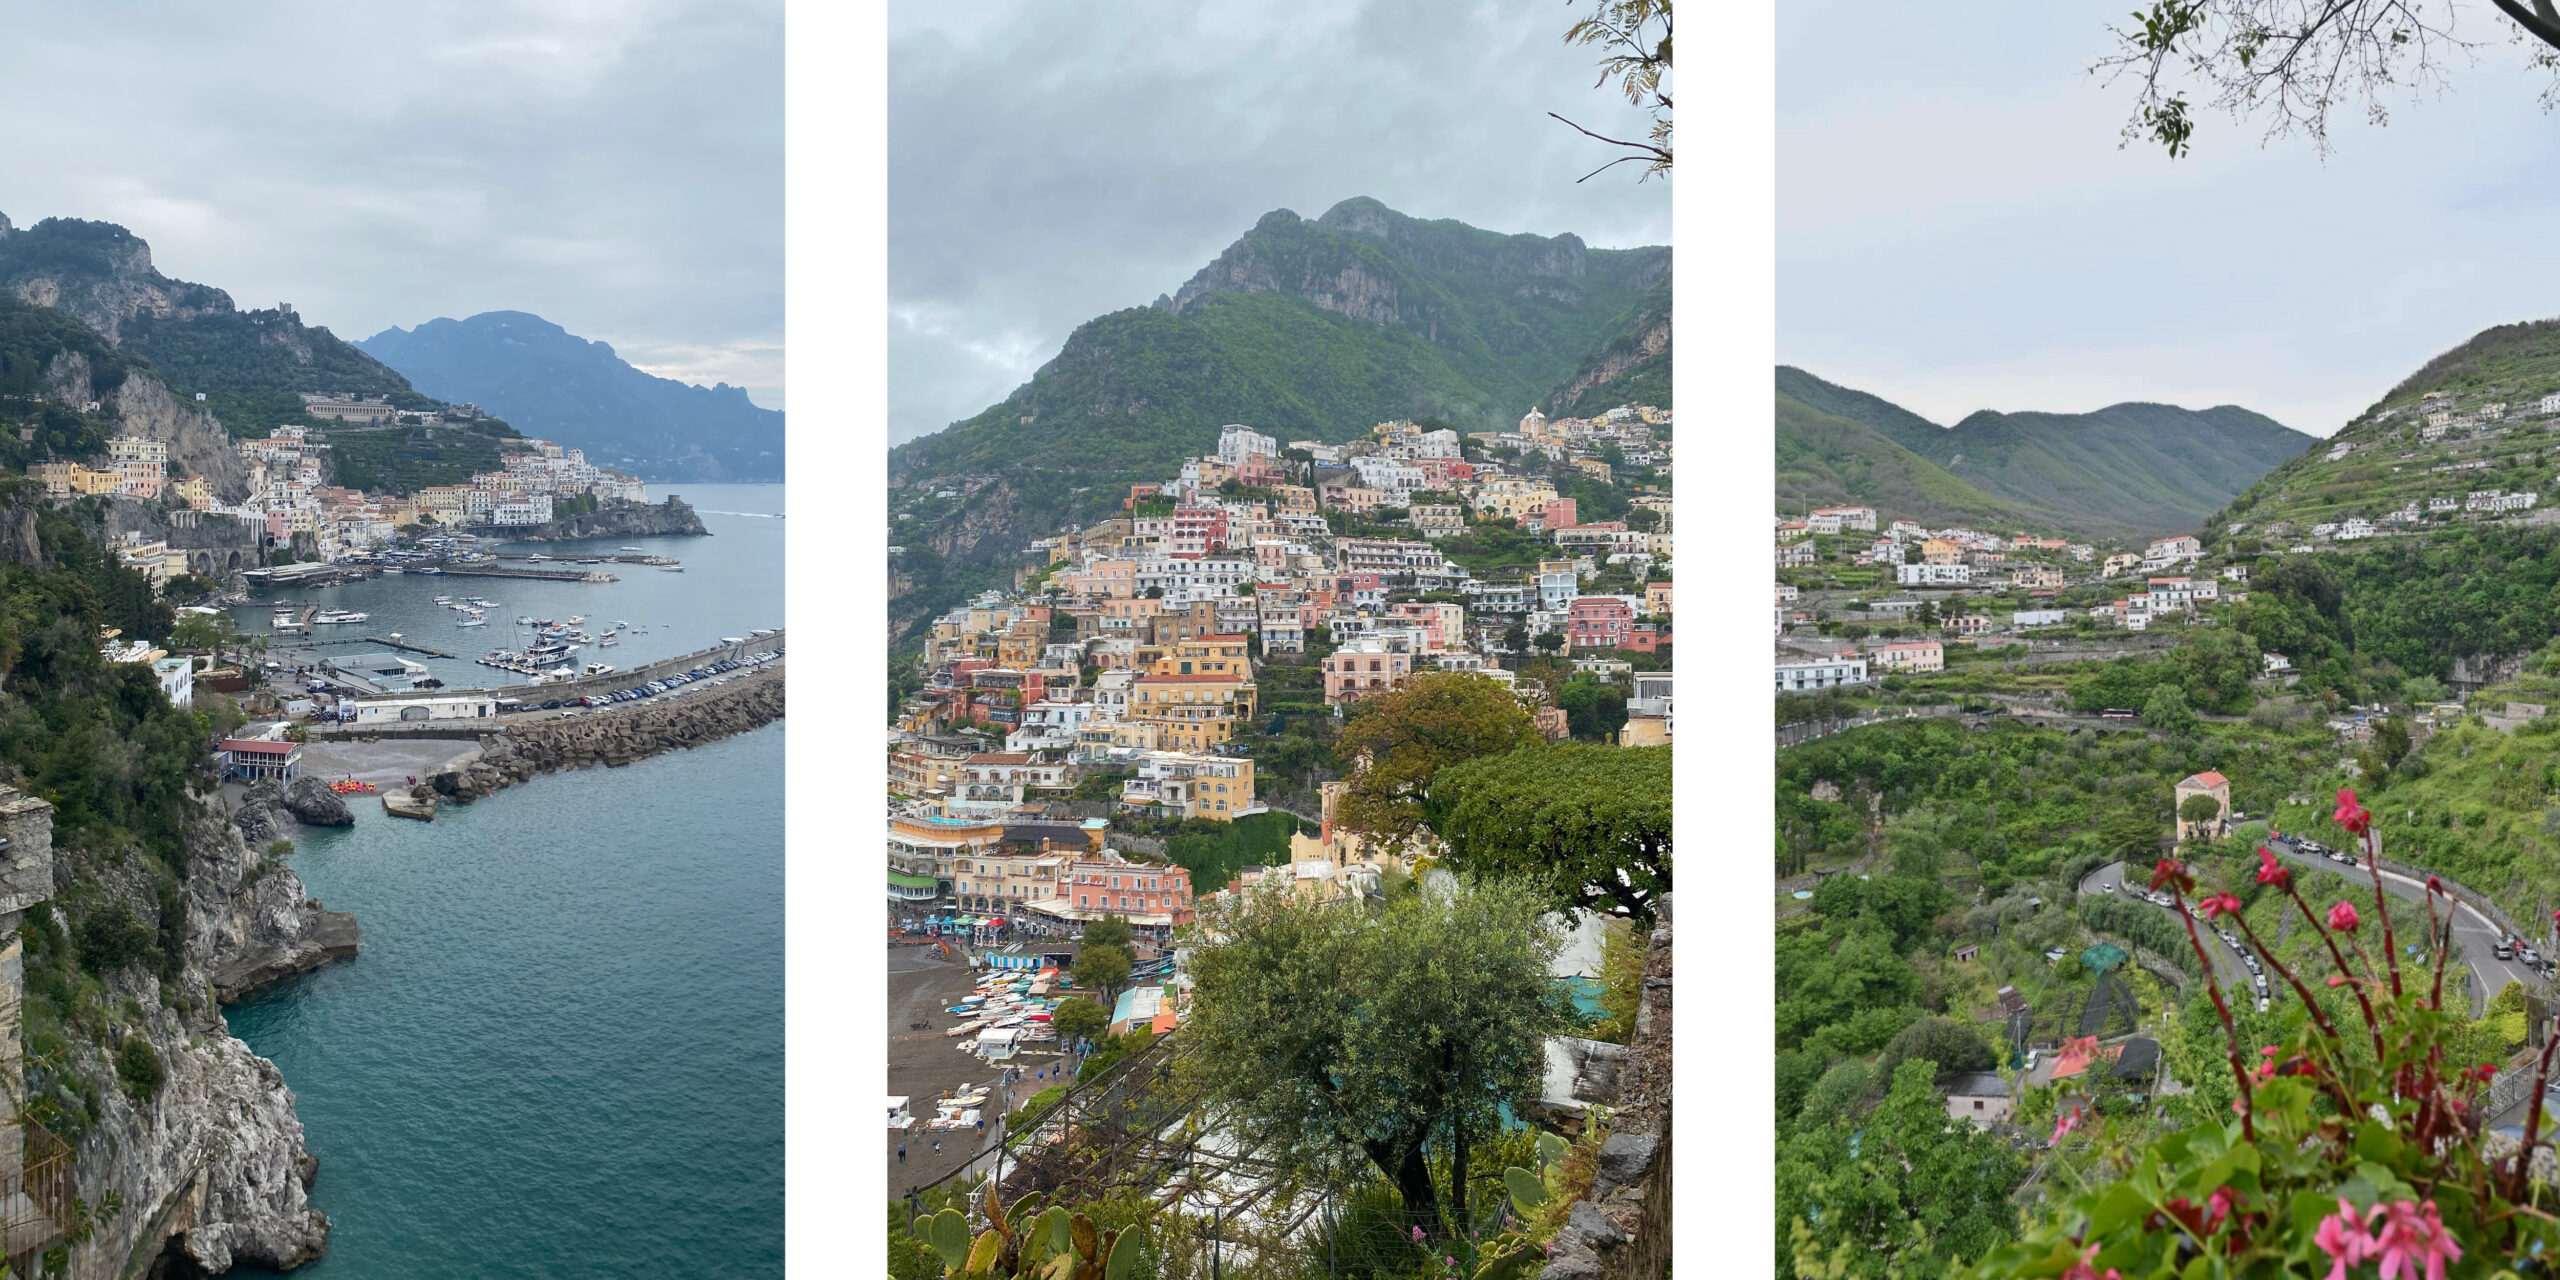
(2227, 968)
(2474, 935)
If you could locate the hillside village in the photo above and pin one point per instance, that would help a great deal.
(290, 505)
(1856, 598)
(2445, 455)
(1173, 669)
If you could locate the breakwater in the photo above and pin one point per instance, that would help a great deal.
(614, 738)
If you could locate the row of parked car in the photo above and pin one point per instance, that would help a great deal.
(715, 673)
(2238, 944)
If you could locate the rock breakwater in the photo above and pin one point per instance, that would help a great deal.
(614, 738)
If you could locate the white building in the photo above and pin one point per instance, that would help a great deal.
(427, 706)
(1237, 442)
(1933, 575)
(1805, 675)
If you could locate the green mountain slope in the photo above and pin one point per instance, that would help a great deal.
(1828, 460)
(2126, 471)
(250, 365)
(1302, 329)
(2387, 461)
(1634, 368)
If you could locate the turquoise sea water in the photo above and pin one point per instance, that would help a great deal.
(560, 1054)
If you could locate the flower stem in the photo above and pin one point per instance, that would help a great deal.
(2382, 906)
(2230, 1032)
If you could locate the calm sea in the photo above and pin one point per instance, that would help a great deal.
(560, 1054)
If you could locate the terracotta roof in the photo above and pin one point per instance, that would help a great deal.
(2208, 778)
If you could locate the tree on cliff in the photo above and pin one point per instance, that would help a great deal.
(1317, 1027)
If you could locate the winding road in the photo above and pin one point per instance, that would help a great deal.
(2227, 968)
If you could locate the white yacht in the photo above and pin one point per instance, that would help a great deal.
(334, 616)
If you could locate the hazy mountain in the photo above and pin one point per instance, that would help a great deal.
(2124, 471)
(555, 385)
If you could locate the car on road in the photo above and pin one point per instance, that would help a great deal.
(2502, 950)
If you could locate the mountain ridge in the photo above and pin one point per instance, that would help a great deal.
(2128, 470)
(555, 384)
(1302, 328)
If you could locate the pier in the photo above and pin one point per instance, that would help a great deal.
(402, 645)
(543, 558)
(538, 575)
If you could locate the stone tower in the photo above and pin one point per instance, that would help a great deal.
(26, 878)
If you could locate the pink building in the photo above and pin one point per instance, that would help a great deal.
(1561, 513)
(1139, 893)
(1364, 667)
(1599, 622)
(1199, 529)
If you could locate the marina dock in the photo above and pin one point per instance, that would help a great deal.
(406, 647)
(539, 575)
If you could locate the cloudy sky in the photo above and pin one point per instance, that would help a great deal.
(1958, 229)
(614, 167)
(1049, 162)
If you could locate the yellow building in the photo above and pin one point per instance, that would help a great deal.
(1193, 712)
(1657, 599)
(1511, 498)
(1195, 786)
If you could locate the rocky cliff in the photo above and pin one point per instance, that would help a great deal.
(98, 272)
(619, 520)
(211, 1166)
(198, 446)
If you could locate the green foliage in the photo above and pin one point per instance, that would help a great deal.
(1078, 1017)
(1102, 968)
(138, 1068)
(1213, 856)
(1594, 709)
(1406, 736)
(1589, 825)
(112, 939)
(404, 460)
(2124, 471)
(1903, 1193)
(2166, 709)
(1110, 931)
(1622, 951)
(1316, 1024)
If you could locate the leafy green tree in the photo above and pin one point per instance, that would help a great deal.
(1593, 708)
(1078, 1017)
(2198, 811)
(1953, 1045)
(1109, 931)
(1102, 968)
(1591, 825)
(1825, 976)
(1400, 740)
(2167, 710)
(1905, 1193)
(1316, 1026)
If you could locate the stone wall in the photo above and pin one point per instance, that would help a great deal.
(614, 738)
(1622, 1230)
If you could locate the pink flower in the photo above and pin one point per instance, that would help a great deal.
(2343, 918)
(2172, 872)
(2271, 871)
(1417, 1235)
(2410, 1234)
(2220, 1202)
(2086, 1269)
(2351, 815)
(2342, 1237)
(2435, 885)
(2218, 904)
(2063, 1124)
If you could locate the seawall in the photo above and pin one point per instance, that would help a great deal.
(532, 746)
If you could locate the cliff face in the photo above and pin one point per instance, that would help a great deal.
(98, 272)
(213, 1166)
(620, 520)
(198, 446)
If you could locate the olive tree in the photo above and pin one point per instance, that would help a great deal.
(1324, 1028)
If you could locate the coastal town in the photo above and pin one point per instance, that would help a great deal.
(288, 505)
(1132, 731)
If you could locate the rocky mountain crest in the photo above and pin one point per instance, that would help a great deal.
(98, 272)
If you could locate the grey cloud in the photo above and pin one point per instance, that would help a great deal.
(1049, 163)
(614, 168)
